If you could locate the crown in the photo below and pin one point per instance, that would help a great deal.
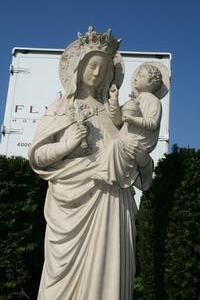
(99, 41)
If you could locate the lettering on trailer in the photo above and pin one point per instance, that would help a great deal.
(20, 107)
(27, 112)
(23, 144)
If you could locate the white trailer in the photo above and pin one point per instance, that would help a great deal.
(34, 83)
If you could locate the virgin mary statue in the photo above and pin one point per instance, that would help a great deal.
(90, 231)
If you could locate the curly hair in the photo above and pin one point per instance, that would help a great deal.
(154, 75)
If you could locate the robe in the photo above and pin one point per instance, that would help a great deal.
(90, 231)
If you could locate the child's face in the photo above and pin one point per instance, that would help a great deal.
(142, 80)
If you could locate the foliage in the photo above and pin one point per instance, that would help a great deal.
(22, 196)
(138, 288)
(168, 230)
(183, 238)
(154, 219)
(138, 282)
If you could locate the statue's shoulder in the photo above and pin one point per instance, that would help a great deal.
(149, 98)
(131, 104)
(57, 107)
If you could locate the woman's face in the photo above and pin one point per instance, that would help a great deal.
(94, 70)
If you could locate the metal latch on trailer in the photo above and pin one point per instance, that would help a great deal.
(14, 69)
(5, 130)
(164, 138)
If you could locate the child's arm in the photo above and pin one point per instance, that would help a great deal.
(114, 107)
(150, 122)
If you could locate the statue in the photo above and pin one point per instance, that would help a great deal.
(90, 232)
(141, 115)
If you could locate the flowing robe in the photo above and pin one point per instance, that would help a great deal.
(90, 232)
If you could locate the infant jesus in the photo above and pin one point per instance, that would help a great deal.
(141, 115)
(139, 123)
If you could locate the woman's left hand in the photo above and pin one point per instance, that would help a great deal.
(134, 150)
(77, 135)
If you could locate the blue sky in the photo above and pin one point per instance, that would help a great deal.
(158, 26)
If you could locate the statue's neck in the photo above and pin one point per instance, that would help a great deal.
(88, 95)
(86, 92)
(90, 102)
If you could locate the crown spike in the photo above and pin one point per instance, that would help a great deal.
(109, 32)
(99, 41)
(90, 29)
(79, 35)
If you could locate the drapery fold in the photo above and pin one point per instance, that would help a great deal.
(90, 233)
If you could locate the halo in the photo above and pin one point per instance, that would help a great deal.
(71, 57)
(162, 92)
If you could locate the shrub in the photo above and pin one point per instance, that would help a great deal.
(182, 266)
(22, 196)
(154, 218)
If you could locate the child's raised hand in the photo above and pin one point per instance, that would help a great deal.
(113, 92)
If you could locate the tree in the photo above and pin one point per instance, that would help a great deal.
(22, 226)
(182, 265)
(154, 219)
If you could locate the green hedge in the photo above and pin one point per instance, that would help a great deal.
(168, 231)
(22, 227)
(158, 225)
(182, 266)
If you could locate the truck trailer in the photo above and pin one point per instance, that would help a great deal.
(34, 83)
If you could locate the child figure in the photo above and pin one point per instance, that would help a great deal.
(141, 115)
(139, 120)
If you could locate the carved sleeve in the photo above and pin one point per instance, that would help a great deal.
(150, 120)
(115, 114)
(50, 153)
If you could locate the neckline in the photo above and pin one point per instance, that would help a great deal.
(90, 103)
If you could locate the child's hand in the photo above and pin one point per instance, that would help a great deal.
(126, 117)
(113, 92)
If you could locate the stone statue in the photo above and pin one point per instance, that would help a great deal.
(141, 115)
(90, 232)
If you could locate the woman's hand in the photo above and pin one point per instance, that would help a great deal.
(77, 135)
(126, 117)
(130, 146)
(134, 150)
